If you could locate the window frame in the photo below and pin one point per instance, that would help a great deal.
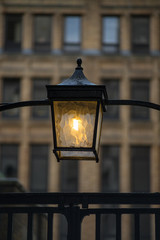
(133, 116)
(42, 47)
(11, 46)
(140, 48)
(117, 108)
(115, 147)
(7, 145)
(64, 175)
(132, 157)
(6, 114)
(71, 46)
(39, 145)
(104, 45)
(33, 114)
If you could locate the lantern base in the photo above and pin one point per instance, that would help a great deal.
(76, 155)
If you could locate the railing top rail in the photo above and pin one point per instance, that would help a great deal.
(79, 198)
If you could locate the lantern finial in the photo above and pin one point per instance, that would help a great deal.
(78, 78)
(79, 63)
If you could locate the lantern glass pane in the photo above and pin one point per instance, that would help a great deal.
(99, 126)
(74, 123)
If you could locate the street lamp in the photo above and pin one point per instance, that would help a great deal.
(77, 107)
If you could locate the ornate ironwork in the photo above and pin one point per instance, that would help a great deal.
(75, 207)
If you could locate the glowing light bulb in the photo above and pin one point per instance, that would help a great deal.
(75, 124)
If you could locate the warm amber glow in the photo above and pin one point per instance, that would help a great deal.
(78, 131)
(76, 124)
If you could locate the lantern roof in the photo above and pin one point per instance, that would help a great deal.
(78, 78)
(77, 87)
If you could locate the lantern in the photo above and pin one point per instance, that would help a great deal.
(77, 107)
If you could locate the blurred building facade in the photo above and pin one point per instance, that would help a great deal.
(19, 227)
(119, 43)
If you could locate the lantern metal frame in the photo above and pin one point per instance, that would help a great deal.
(77, 88)
(72, 149)
(83, 86)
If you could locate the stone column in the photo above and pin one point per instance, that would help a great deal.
(91, 36)
(155, 34)
(154, 159)
(27, 32)
(2, 31)
(124, 114)
(53, 172)
(125, 38)
(56, 44)
(124, 163)
(24, 163)
(155, 166)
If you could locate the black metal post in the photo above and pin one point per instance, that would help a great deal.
(74, 223)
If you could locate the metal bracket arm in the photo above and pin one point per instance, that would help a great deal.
(46, 102)
(7, 106)
(133, 103)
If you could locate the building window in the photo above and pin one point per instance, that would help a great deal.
(140, 163)
(110, 169)
(69, 176)
(113, 90)
(140, 91)
(109, 183)
(110, 34)
(11, 93)
(140, 182)
(39, 167)
(13, 32)
(39, 92)
(9, 160)
(72, 33)
(42, 33)
(140, 34)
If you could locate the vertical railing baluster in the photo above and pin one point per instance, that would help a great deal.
(98, 224)
(157, 226)
(50, 226)
(118, 226)
(30, 226)
(74, 223)
(10, 225)
(137, 226)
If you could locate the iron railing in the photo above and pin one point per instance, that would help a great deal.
(75, 207)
